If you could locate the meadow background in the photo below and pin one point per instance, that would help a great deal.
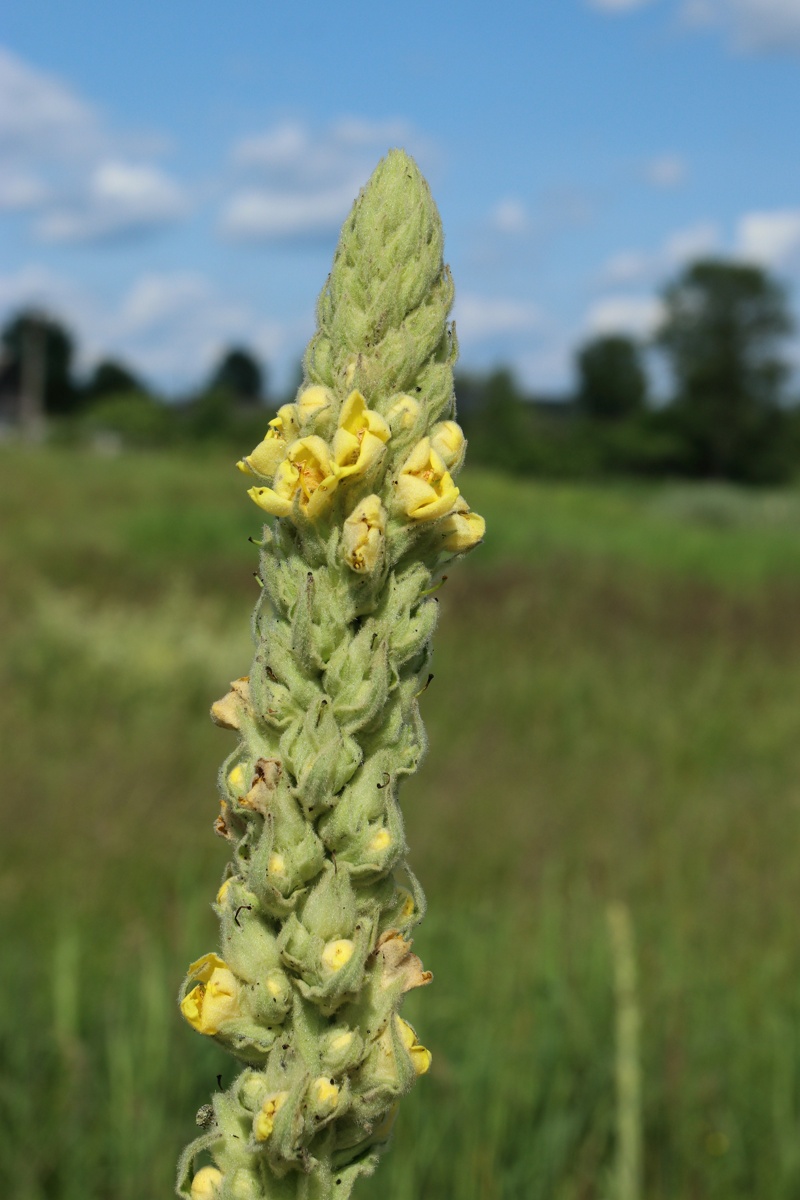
(613, 718)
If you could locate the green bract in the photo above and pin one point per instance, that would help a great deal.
(317, 903)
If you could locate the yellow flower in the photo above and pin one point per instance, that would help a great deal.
(447, 439)
(403, 412)
(265, 1121)
(206, 1184)
(362, 536)
(223, 891)
(312, 401)
(324, 1094)
(420, 1057)
(337, 954)
(462, 529)
(424, 487)
(264, 460)
(214, 1000)
(360, 438)
(307, 471)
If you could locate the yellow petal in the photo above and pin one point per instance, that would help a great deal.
(265, 1121)
(403, 412)
(363, 534)
(270, 501)
(337, 954)
(204, 967)
(462, 529)
(420, 1057)
(312, 401)
(381, 841)
(447, 439)
(192, 1006)
(207, 1184)
(266, 457)
(325, 1093)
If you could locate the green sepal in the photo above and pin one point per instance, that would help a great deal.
(321, 757)
(247, 1040)
(363, 695)
(186, 1171)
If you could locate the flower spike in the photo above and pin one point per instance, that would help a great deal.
(317, 903)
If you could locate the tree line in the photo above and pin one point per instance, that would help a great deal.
(724, 409)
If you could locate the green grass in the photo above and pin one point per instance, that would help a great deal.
(614, 717)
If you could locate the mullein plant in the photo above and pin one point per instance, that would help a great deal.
(317, 903)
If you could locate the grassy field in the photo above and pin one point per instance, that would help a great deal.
(614, 718)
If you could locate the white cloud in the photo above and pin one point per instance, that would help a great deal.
(618, 6)
(171, 327)
(61, 161)
(293, 150)
(259, 213)
(479, 318)
(752, 26)
(156, 300)
(509, 216)
(357, 131)
(666, 171)
(770, 238)
(634, 314)
(121, 198)
(299, 182)
(634, 266)
(39, 114)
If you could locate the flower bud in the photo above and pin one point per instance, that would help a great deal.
(207, 1184)
(337, 954)
(312, 402)
(447, 439)
(341, 1049)
(403, 413)
(265, 1120)
(246, 1185)
(363, 535)
(420, 1057)
(251, 1091)
(237, 780)
(323, 1095)
(462, 529)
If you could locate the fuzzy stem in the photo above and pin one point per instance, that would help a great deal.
(317, 903)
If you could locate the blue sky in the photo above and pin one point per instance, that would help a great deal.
(173, 175)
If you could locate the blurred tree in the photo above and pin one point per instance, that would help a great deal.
(612, 384)
(240, 374)
(496, 418)
(40, 351)
(722, 330)
(112, 378)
